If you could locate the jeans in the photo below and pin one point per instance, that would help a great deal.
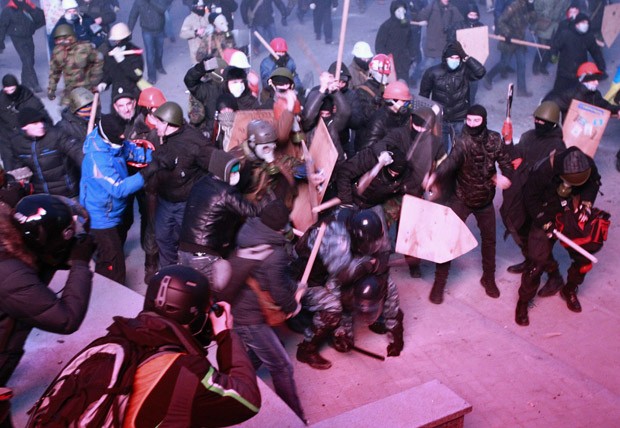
(25, 49)
(264, 347)
(449, 132)
(154, 47)
(168, 220)
(504, 63)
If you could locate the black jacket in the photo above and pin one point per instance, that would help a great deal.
(540, 195)
(272, 274)
(20, 20)
(124, 74)
(580, 93)
(450, 88)
(103, 9)
(72, 125)
(393, 37)
(192, 152)
(151, 13)
(473, 160)
(206, 91)
(55, 161)
(214, 212)
(383, 121)
(368, 97)
(10, 105)
(261, 16)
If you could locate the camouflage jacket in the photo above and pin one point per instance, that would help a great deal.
(81, 64)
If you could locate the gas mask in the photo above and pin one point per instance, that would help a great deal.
(70, 16)
(564, 189)
(452, 63)
(400, 13)
(236, 88)
(582, 27)
(266, 152)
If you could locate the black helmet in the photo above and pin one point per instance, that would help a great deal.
(366, 232)
(170, 112)
(179, 293)
(261, 132)
(46, 225)
(369, 296)
(64, 30)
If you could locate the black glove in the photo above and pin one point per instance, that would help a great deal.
(508, 39)
(459, 48)
(83, 248)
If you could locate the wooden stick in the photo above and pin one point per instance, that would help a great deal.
(266, 45)
(574, 246)
(129, 52)
(93, 113)
(314, 253)
(366, 179)
(313, 194)
(326, 205)
(368, 353)
(343, 32)
(519, 42)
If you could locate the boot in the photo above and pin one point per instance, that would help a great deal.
(521, 317)
(488, 282)
(307, 353)
(554, 283)
(436, 295)
(570, 295)
(518, 268)
(151, 263)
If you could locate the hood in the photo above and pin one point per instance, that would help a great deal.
(255, 232)
(395, 5)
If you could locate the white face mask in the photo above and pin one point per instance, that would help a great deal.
(400, 13)
(221, 24)
(236, 88)
(592, 85)
(582, 27)
(234, 178)
(453, 63)
(266, 152)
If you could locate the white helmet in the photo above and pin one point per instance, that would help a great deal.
(119, 32)
(69, 4)
(362, 50)
(239, 60)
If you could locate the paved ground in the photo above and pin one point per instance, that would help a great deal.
(560, 371)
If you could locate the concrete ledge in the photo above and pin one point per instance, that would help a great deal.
(429, 405)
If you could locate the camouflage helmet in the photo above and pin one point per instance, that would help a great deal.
(170, 112)
(261, 132)
(549, 111)
(64, 30)
(80, 97)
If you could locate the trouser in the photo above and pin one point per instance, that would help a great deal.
(485, 218)
(6, 154)
(449, 131)
(147, 221)
(154, 47)
(109, 258)
(168, 221)
(267, 31)
(264, 347)
(542, 56)
(322, 20)
(504, 63)
(25, 49)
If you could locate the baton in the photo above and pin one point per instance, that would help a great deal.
(368, 353)
(574, 246)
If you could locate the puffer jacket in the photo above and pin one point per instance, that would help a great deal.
(72, 125)
(192, 153)
(473, 160)
(151, 14)
(20, 23)
(450, 88)
(383, 121)
(105, 183)
(10, 105)
(54, 160)
(214, 212)
(272, 274)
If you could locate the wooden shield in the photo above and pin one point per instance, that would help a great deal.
(584, 126)
(475, 41)
(240, 125)
(324, 156)
(611, 23)
(432, 232)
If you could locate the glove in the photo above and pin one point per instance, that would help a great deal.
(584, 211)
(385, 158)
(459, 47)
(101, 87)
(554, 59)
(516, 163)
(51, 95)
(83, 248)
(507, 131)
(548, 227)
(508, 39)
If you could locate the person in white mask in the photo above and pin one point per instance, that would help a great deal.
(236, 84)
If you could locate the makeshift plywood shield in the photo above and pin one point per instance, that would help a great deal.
(584, 126)
(240, 125)
(432, 232)
(611, 23)
(475, 41)
(324, 156)
(392, 77)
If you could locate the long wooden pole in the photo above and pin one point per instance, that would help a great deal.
(574, 246)
(313, 253)
(266, 45)
(343, 32)
(93, 113)
(519, 42)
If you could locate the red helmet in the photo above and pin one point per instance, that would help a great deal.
(397, 91)
(279, 45)
(151, 98)
(587, 68)
(381, 63)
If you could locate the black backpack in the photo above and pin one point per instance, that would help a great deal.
(93, 389)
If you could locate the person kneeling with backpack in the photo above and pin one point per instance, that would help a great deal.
(152, 370)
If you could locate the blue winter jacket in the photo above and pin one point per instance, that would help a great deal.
(105, 183)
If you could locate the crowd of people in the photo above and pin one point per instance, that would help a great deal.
(216, 209)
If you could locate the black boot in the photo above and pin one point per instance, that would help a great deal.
(436, 295)
(490, 287)
(151, 264)
(414, 266)
(569, 294)
(554, 283)
(308, 353)
(521, 317)
(518, 268)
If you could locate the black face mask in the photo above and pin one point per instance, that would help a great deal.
(282, 61)
(361, 63)
(543, 128)
(200, 11)
(475, 130)
(14, 95)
